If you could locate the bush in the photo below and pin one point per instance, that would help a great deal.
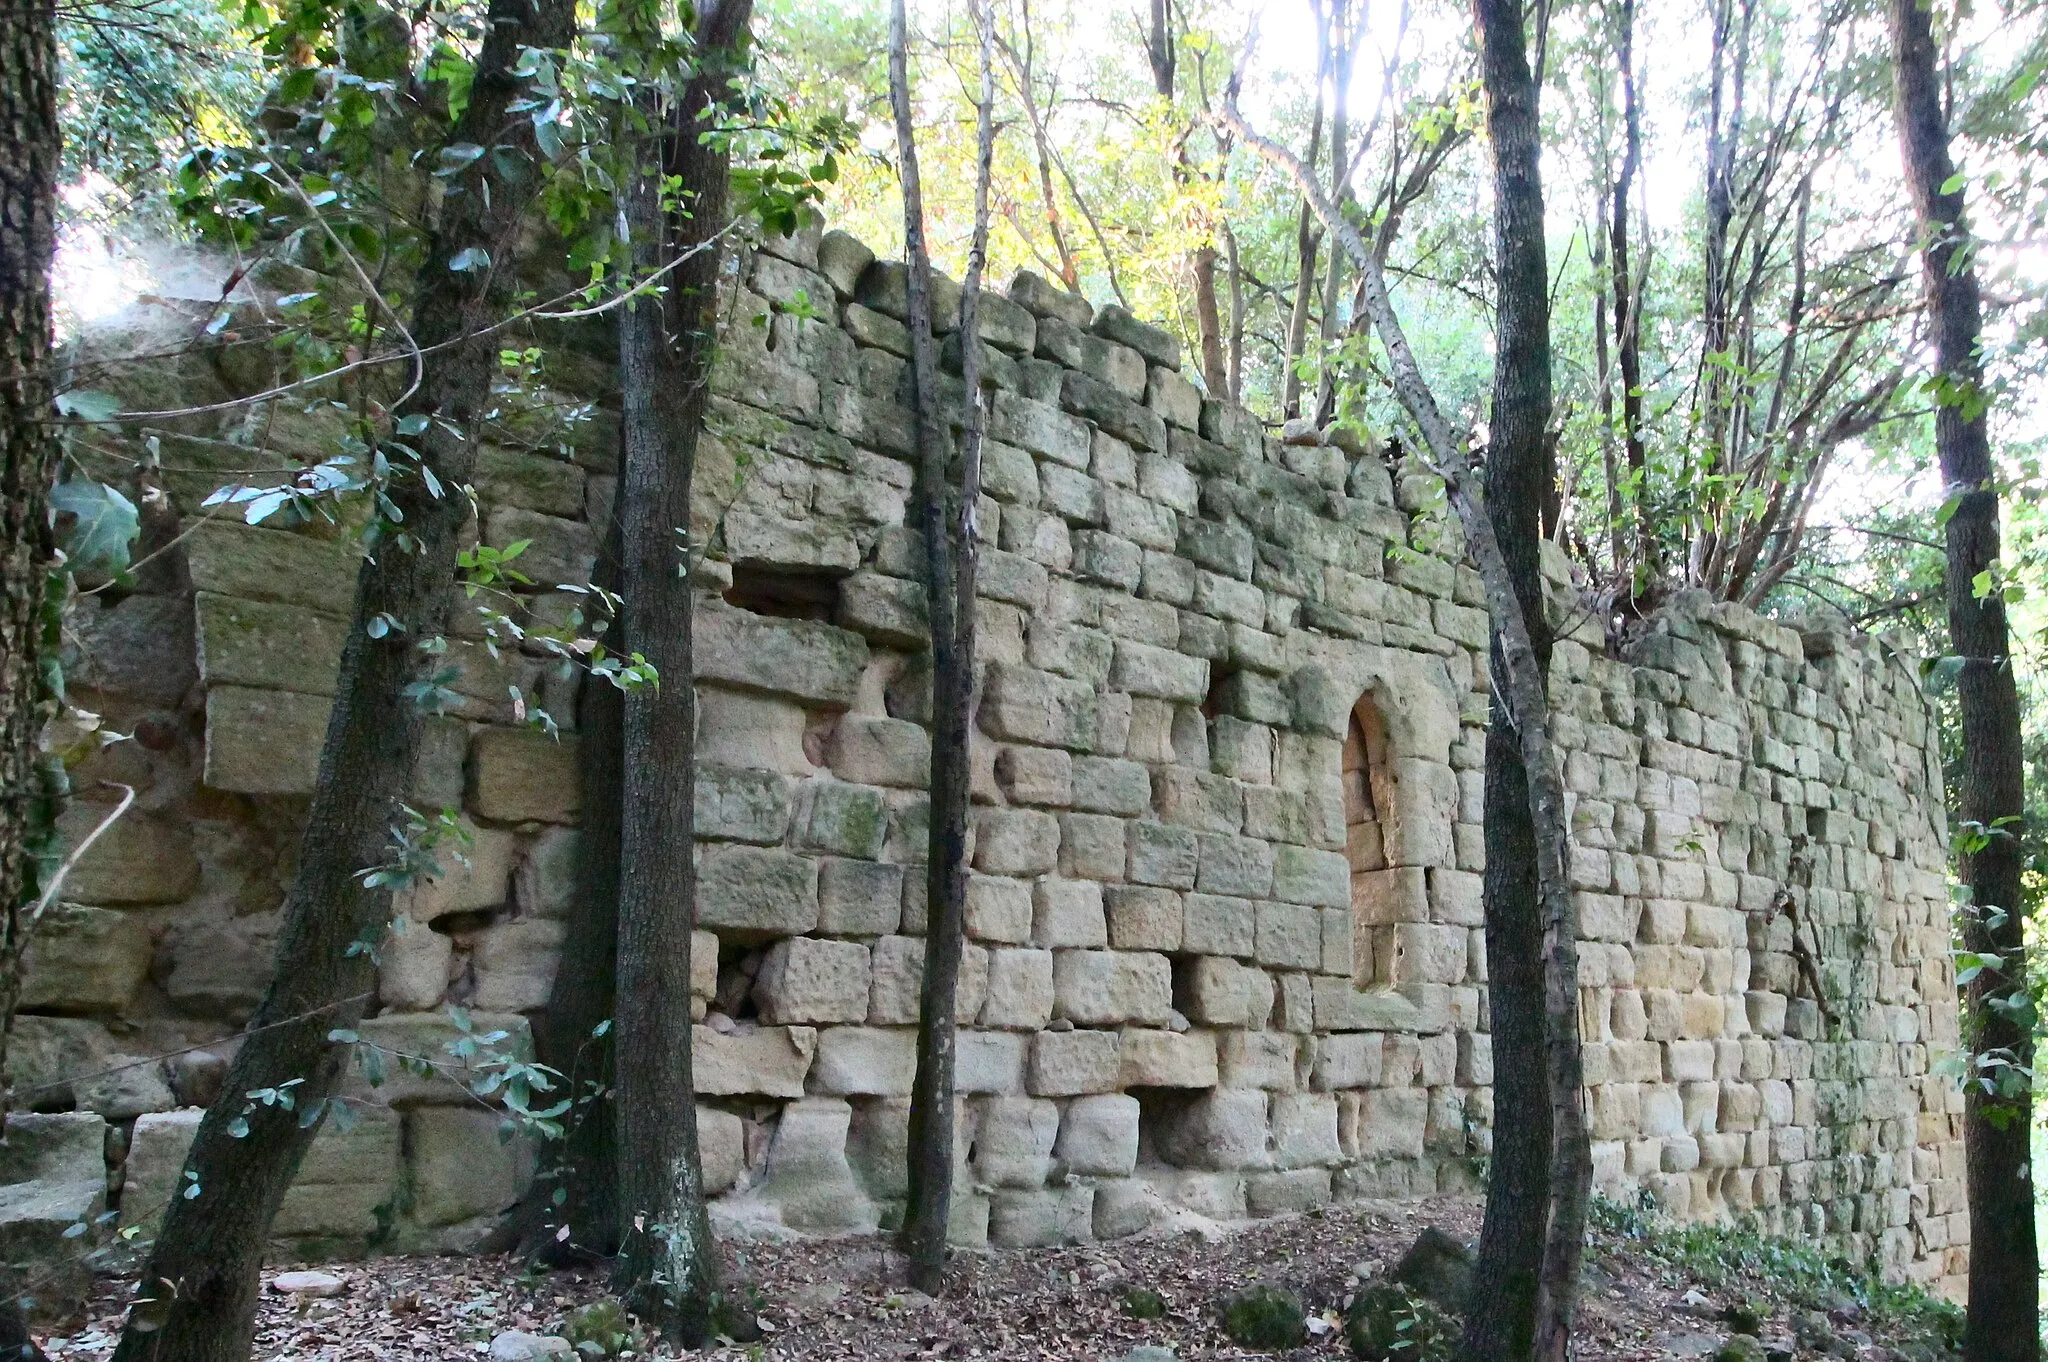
(1385, 1324)
(1142, 1302)
(1268, 1318)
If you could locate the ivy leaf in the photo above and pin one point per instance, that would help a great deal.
(104, 525)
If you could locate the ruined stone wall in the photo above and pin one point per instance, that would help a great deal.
(1225, 951)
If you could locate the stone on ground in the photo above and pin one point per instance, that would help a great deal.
(1437, 1268)
(1385, 1323)
(1265, 1317)
(515, 1346)
(308, 1284)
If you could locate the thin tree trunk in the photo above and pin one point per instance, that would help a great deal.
(570, 1035)
(1528, 1249)
(2004, 1307)
(1235, 391)
(1628, 344)
(29, 451)
(1342, 44)
(197, 1300)
(1519, 682)
(1308, 239)
(668, 1264)
(950, 563)
(1209, 320)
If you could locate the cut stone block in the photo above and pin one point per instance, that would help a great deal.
(266, 645)
(1013, 1145)
(262, 742)
(461, 1166)
(1167, 1059)
(1111, 988)
(750, 893)
(807, 1177)
(817, 663)
(808, 980)
(767, 1061)
(1021, 990)
(1224, 1129)
(1068, 913)
(85, 960)
(517, 775)
(869, 1061)
(139, 859)
(1073, 1063)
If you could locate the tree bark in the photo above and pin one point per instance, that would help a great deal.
(668, 1264)
(30, 143)
(950, 570)
(1535, 1197)
(2004, 1306)
(1343, 43)
(1021, 62)
(198, 1295)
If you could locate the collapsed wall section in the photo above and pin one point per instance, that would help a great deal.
(1225, 949)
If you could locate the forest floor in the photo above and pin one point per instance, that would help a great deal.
(1651, 1293)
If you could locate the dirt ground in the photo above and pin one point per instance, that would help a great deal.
(822, 1300)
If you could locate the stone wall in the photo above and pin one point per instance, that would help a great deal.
(1224, 953)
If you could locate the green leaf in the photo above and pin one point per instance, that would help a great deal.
(1953, 183)
(104, 525)
(88, 405)
(470, 258)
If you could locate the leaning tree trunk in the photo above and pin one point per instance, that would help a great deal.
(197, 1300)
(668, 1266)
(950, 562)
(2004, 1306)
(28, 462)
(1536, 1153)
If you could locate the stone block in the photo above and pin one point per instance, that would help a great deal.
(1340, 1006)
(807, 660)
(1126, 1207)
(228, 558)
(1111, 988)
(896, 997)
(1305, 1130)
(1044, 299)
(721, 1149)
(869, 1061)
(1167, 1059)
(1391, 1123)
(1347, 1060)
(1098, 1136)
(1073, 1063)
(1021, 704)
(806, 1176)
(1235, 865)
(266, 645)
(1216, 925)
(1015, 842)
(559, 552)
(1013, 1146)
(62, 1146)
(859, 898)
(343, 1181)
(1289, 936)
(998, 909)
(1162, 855)
(1381, 898)
(519, 775)
(1020, 990)
(873, 751)
(1115, 323)
(1068, 913)
(746, 729)
(742, 804)
(461, 1166)
(515, 961)
(1287, 1193)
(1159, 673)
(1092, 846)
(475, 874)
(1110, 785)
(842, 259)
(1143, 917)
(1036, 775)
(85, 960)
(1020, 1219)
(1223, 1129)
(262, 742)
(1305, 875)
(808, 980)
(1260, 1059)
(140, 859)
(1115, 413)
(750, 893)
(988, 1062)
(844, 820)
(1221, 992)
(762, 1061)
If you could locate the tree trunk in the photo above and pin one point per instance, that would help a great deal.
(950, 571)
(198, 1295)
(1021, 62)
(1535, 1197)
(2004, 1307)
(1343, 43)
(29, 453)
(582, 1167)
(1308, 237)
(1628, 343)
(668, 1264)
(1235, 392)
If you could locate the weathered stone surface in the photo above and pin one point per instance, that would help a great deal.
(412, 968)
(267, 645)
(807, 980)
(806, 1178)
(1098, 1136)
(264, 741)
(1224, 1128)
(842, 819)
(1143, 918)
(1021, 990)
(859, 898)
(460, 1056)
(1045, 299)
(1068, 913)
(67, 1146)
(1015, 842)
(742, 804)
(85, 960)
(1021, 1219)
(252, 562)
(804, 659)
(518, 774)
(141, 650)
(1111, 988)
(869, 1061)
(766, 1061)
(1073, 1063)
(1117, 324)
(140, 858)
(876, 751)
(753, 892)
(1167, 1059)
(461, 1167)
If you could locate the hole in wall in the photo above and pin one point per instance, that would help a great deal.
(785, 593)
